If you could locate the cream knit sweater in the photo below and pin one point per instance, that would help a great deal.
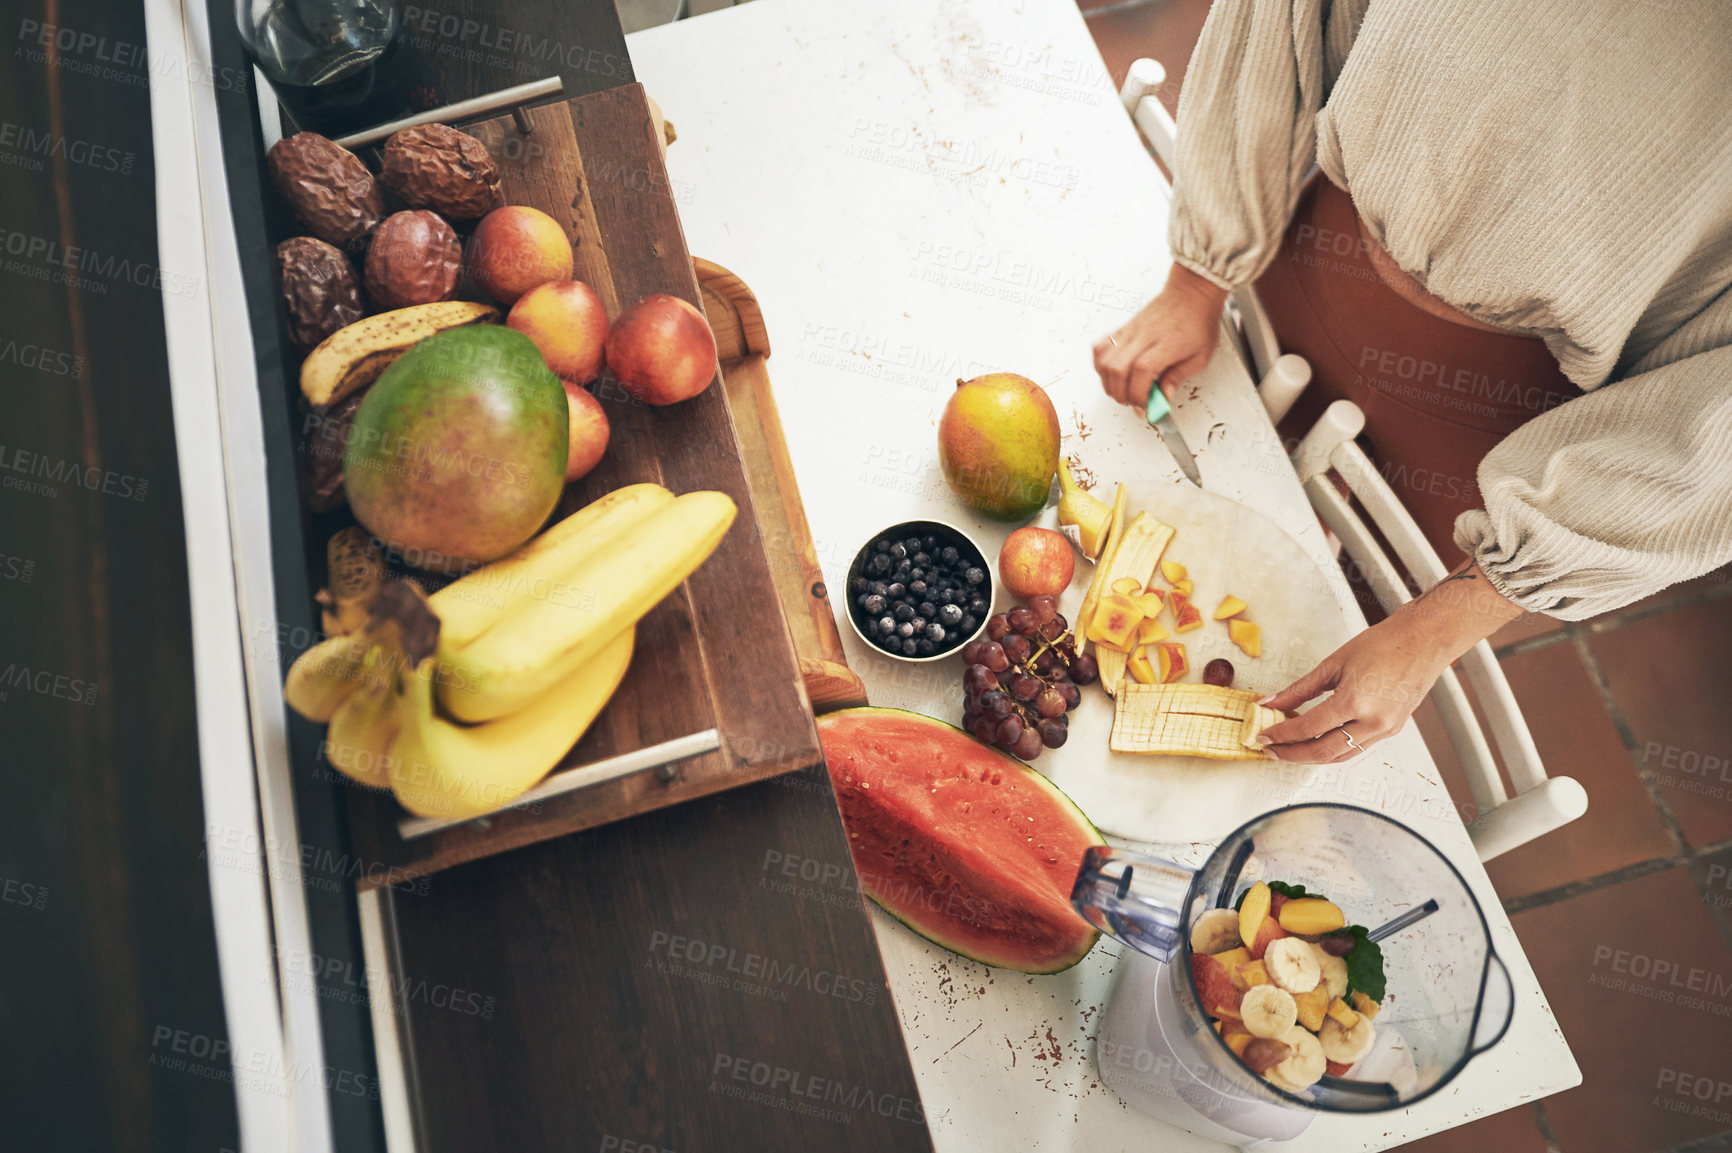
(1558, 167)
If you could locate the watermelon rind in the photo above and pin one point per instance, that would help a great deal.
(1051, 790)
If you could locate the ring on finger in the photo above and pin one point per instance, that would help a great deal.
(1351, 743)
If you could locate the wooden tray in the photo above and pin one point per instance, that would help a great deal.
(715, 695)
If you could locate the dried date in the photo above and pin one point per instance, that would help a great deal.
(320, 289)
(435, 166)
(415, 258)
(328, 189)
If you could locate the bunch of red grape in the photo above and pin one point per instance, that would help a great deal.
(1023, 678)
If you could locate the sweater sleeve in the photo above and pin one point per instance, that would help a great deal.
(1618, 493)
(1247, 128)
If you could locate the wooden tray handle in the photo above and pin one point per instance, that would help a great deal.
(741, 346)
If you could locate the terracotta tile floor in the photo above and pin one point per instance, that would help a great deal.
(1638, 707)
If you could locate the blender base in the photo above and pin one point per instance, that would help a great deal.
(1147, 1055)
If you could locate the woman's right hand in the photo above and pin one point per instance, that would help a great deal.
(1170, 340)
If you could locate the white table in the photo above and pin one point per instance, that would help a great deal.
(921, 191)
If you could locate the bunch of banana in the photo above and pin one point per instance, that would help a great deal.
(528, 650)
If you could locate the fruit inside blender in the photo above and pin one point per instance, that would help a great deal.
(1291, 987)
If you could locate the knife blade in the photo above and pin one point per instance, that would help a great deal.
(1159, 413)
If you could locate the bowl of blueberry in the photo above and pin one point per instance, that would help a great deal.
(919, 591)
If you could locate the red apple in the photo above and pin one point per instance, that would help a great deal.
(662, 350)
(1034, 561)
(516, 248)
(567, 322)
(589, 431)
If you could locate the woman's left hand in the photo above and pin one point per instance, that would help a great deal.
(1380, 676)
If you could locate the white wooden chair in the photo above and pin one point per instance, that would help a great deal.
(1540, 803)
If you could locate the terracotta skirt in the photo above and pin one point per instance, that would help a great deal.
(1437, 395)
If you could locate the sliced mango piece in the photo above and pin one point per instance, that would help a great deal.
(1173, 571)
(1311, 917)
(1184, 586)
(1237, 1042)
(1230, 606)
(1253, 909)
(1256, 973)
(1173, 664)
(1151, 631)
(1313, 1006)
(1248, 636)
(1139, 667)
(1115, 621)
(1150, 602)
(1127, 586)
(1186, 616)
(1364, 1005)
(1339, 1010)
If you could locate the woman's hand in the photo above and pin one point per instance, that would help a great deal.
(1380, 676)
(1170, 340)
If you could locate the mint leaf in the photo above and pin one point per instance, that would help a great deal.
(1291, 892)
(1364, 963)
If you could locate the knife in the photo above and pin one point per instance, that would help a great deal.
(1159, 413)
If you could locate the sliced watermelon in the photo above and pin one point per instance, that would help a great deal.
(970, 848)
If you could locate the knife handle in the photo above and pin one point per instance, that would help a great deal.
(1157, 406)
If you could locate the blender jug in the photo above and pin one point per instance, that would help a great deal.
(1448, 995)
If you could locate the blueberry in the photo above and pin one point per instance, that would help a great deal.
(910, 647)
(886, 625)
(948, 555)
(970, 622)
(874, 604)
(896, 590)
(903, 611)
(928, 542)
(905, 629)
(882, 544)
(935, 633)
(880, 564)
(918, 588)
(925, 647)
(878, 587)
(928, 610)
(950, 614)
(916, 573)
(923, 558)
(919, 624)
(859, 585)
(975, 575)
(945, 596)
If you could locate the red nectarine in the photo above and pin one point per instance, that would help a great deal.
(567, 322)
(516, 248)
(589, 431)
(662, 350)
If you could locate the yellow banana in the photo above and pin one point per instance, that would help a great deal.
(543, 641)
(357, 354)
(322, 678)
(363, 731)
(468, 607)
(451, 771)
